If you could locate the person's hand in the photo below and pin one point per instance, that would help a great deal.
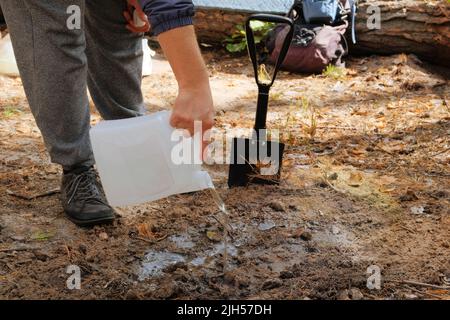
(194, 101)
(193, 104)
(134, 8)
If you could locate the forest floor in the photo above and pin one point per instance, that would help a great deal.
(366, 185)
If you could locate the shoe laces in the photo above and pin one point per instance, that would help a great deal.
(85, 187)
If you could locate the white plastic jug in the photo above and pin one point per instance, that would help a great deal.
(8, 65)
(133, 158)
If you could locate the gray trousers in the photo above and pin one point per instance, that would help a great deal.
(58, 64)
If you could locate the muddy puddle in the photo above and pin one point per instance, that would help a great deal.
(156, 263)
(186, 251)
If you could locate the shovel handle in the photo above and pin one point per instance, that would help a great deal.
(252, 47)
(264, 88)
(261, 108)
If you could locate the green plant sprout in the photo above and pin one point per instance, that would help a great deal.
(237, 42)
(333, 72)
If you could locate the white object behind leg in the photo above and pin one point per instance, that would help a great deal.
(147, 64)
(8, 64)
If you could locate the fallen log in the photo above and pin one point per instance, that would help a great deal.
(420, 27)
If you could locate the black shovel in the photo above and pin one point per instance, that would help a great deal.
(258, 160)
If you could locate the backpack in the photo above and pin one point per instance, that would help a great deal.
(319, 35)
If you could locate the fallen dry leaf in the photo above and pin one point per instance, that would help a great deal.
(356, 179)
(439, 292)
(144, 230)
(213, 236)
(359, 152)
(387, 188)
(103, 236)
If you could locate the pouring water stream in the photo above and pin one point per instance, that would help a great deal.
(221, 205)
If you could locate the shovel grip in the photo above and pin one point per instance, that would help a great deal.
(264, 88)
(252, 46)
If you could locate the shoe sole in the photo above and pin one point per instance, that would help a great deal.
(91, 223)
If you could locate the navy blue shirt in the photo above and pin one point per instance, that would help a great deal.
(165, 15)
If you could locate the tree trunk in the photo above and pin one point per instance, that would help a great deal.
(421, 27)
(213, 25)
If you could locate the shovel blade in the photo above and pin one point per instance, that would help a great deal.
(255, 161)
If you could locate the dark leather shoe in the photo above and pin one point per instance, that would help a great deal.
(83, 198)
